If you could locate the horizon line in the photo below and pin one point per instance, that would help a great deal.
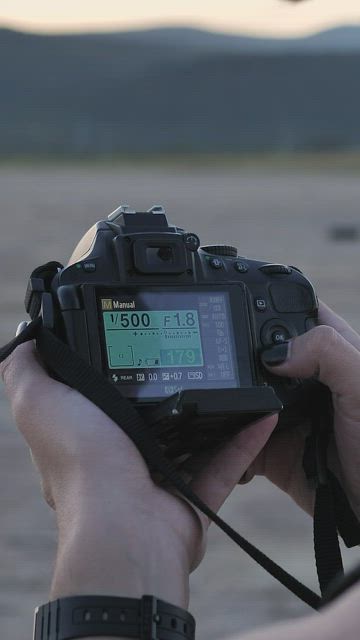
(151, 26)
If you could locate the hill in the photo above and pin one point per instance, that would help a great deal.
(177, 90)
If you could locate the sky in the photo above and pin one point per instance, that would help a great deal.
(268, 17)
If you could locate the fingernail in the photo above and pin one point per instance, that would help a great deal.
(21, 328)
(247, 477)
(275, 355)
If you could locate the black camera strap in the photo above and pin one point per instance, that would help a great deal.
(326, 542)
(332, 510)
(68, 366)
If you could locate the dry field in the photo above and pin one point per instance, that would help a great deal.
(280, 216)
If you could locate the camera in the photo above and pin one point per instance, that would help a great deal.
(179, 328)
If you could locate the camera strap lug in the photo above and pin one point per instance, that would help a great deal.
(47, 311)
(39, 283)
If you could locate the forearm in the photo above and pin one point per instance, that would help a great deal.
(103, 556)
(83, 567)
(339, 620)
(336, 621)
(314, 627)
(94, 561)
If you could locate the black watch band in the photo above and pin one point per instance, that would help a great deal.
(89, 616)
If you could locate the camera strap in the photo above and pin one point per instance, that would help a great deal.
(325, 528)
(68, 366)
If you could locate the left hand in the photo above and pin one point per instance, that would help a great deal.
(108, 508)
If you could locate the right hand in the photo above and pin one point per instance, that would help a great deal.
(331, 352)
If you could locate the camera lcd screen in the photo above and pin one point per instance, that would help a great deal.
(158, 343)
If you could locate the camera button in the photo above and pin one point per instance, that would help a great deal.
(260, 304)
(216, 263)
(275, 331)
(192, 241)
(89, 267)
(241, 267)
(279, 336)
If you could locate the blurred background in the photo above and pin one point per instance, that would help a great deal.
(242, 119)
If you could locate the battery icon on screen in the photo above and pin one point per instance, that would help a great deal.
(152, 362)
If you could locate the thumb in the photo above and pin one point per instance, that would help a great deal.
(214, 483)
(322, 353)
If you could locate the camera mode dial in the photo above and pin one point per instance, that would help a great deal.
(221, 250)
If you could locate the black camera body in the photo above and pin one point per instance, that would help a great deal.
(178, 328)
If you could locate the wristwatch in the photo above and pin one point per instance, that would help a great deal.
(87, 616)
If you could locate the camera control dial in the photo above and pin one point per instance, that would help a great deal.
(221, 250)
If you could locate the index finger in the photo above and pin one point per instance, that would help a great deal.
(329, 317)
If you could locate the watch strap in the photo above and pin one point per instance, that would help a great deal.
(87, 616)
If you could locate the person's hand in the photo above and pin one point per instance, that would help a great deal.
(331, 353)
(120, 533)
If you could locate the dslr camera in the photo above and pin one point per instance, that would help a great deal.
(179, 328)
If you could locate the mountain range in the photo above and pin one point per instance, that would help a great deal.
(338, 39)
(178, 89)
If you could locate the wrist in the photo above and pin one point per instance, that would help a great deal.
(113, 555)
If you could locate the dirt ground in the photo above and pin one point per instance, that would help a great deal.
(279, 216)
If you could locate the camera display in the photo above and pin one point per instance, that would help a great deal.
(159, 343)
